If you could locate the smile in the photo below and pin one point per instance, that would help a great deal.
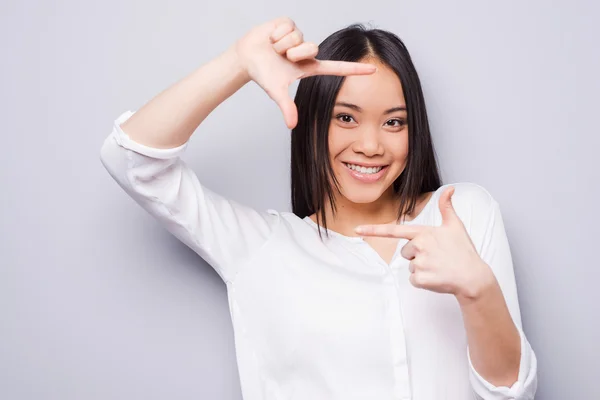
(366, 174)
(364, 170)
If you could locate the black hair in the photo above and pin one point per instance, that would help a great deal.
(312, 175)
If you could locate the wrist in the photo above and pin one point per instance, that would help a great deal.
(239, 69)
(482, 284)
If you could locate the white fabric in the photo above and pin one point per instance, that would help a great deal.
(325, 320)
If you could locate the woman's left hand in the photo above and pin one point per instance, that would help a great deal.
(443, 258)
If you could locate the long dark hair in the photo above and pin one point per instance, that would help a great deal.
(312, 175)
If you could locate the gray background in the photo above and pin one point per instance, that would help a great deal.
(97, 301)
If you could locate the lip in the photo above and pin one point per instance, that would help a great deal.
(366, 165)
(366, 178)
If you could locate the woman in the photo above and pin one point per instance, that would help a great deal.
(408, 294)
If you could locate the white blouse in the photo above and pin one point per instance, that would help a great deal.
(325, 320)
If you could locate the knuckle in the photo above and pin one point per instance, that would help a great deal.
(292, 55)
(289, 25)
(404, 251)
(412, 266)
(412, 280)
(297, 37)
(417, 246)
(403, 254)
(417, 280)
(284, 21)
(417, 262)
(421, 280)
(290, 22)
(313, 47)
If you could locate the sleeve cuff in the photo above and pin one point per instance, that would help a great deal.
(126, 142)
(525, 386)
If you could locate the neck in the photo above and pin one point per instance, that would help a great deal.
(382, 211)
(349, 215)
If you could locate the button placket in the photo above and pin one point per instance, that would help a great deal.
(395, 317)
(402, 390)
(397, 339)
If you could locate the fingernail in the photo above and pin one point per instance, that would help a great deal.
(359, 229)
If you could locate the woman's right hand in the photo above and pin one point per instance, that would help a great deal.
(275, 54)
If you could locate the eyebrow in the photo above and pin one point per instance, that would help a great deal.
(358, 109)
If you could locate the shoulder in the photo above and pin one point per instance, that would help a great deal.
(468, 192)
(469, 199)
(473, 203)
(290, 222)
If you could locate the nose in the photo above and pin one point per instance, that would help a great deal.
(368, 143)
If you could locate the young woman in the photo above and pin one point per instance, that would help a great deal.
(383, 283)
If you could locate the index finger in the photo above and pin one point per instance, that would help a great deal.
(342, 68)
(390, 230)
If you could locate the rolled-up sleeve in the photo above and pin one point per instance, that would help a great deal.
(223, 232)
(525, 386)
(495, 251)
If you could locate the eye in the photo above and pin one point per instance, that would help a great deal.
(396, 123)
(345, 118)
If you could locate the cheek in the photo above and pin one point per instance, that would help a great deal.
(398, 149)
(338, 142)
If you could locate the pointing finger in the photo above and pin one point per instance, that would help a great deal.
(342, 68)
(390, 230)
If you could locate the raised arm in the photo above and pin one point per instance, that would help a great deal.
(273, 55)
(142, 153)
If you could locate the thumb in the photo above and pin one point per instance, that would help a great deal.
(287, 106)
(448, 213)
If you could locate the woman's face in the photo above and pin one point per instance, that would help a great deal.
(368, 135)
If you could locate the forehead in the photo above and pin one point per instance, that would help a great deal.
(382, 89)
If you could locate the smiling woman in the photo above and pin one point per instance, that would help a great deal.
(361, 135)
(423, 307)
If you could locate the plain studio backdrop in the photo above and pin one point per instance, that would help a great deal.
(98, 301)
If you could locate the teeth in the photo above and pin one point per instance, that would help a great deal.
(364, 170)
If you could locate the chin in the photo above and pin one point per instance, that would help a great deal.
(362, 199)
(361, 195)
